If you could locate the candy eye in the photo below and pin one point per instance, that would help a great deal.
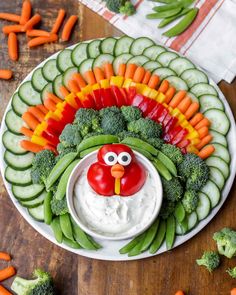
(110, 158)
(124, 158)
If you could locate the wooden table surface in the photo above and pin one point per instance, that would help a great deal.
(160, 275)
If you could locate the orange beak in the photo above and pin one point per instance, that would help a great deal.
(117, 171)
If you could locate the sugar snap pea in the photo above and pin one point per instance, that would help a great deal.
(128, 247)
(170, 19)
(170, 232)
(55, 225)
(141, 151)
(96, 245)
(97, 140)
(150, 235)
(184, 225)
(163, 1)
(140, 143)
(158, 240)
(47, 208)
(137, 249)
(163, 14)
(168, 163)
(183, 24)
(161, 168)
(71, 244)
(89, 150)
(179, 212)
(61, 188)
(66, 226)
(176, 4)
(59, 168)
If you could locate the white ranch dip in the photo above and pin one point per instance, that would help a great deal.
(114, 216)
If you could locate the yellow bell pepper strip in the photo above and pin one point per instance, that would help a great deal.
(105, 83)
(160, 97)
(39, 140)
(50, 114)
(153, 94)
(127, 83)
(70, 99)
(40, 128)
(117, 81)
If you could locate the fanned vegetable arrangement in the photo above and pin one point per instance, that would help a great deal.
(113, 90)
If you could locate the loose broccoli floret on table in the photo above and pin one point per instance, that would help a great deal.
(173, 190)
(131, 113)
(59, 207)
(210, 259)
(42, 165)
(145, 127)
(128, 9)
(70, 136)
(226, 242)
(122, 135)
(112, 121)
(194, 171)
(190, 201)
(173, 152)
(167, 209)
(41, 285)
(232, 272)
(156, 142)
(87, 120)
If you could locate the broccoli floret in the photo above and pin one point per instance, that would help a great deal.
(156, 142)
(226, 242)
(232, 272)
(41, 285)
(109, 110)
(145, 127)
(128, 8)
(210, 259)
(65, 151)
(122, 135)
(59, 207)
(190, 201)
(115, 5)
(173, 152)
(112, 122)
(70, 136)
(173, 190)
(167, 209)
(131, 113)
(194, 171)
(87, 120)
(42, 165)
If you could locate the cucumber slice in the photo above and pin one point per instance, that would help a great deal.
(35, 202)
(64, 60)
(153, 51)
(218, 138)
(209, 101)
(204, 206)
(217, 177)
(212, 191)
(86, 65)
(181, 64)
(219, 120)
(28, 94)
(163, 73)
(50, 70)
(12, 143)
(27, 193)
(140, 44)
(108, 45)
(221, 152)
(79, 54)
(38, 80)
(18, 105)
(193, 77)
(56, 84)
(103, 59)
(14, 122)
(203, 88)
(138, 60)
(18, 177)
(123, 45)
(166, 57)
(220, 164)
(177, 82)
(192, 96)
(37, 213)
(151, 65)
(67, 76)
(44, 94)
(192, 220)
(18, 162)
(120, 59)
(94, 49)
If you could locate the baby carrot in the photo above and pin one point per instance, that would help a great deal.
(7, 273)
(206, 151)
(89, 77)
(58, 22)
(196, 119)
(30, 120)
(139, 74)
(54, 97)
(184, 104)
(193, 108)
(66, 32)
(32, 22)
(64, 91)
(179, 96)
(121, 70)
(99, 75)
(154, 81)
(5, 256)
(42, 40)
(146, 77)
(5, 74)
(164, 86)
(233, 291)
(37, 33)
(10, 16)
(202, 123)
(4, 291)
(73, 86)
(169, 94)
(203, 132)
(204, 141)
(30, 146)
(42, 108)
(25, 12)
(179, 293)
(37, 113)
(26, 131)
(130, 70)
(12, 28)
(79, 79)
(13, 46)
(50, 104)
(108, 70)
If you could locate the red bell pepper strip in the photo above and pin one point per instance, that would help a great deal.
(162, 115)
(125, 95)
(137, 100)
(118, 95)
(147, 105)
(172, 122)
(131, 94)
(154, 113)
(57, 126)
(108, 99)
(51, 148)
(97, 98)
(180, 136)
(170, 135)
(184, 151)
(183, 143)
(54, 140)
(78, 101)
(167, 119)
(88, 102)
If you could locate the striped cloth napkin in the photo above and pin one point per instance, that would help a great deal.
(209, 42)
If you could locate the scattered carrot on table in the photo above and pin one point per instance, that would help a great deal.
(42, 40)
(179, 293)
(233, 291)
(13, 46)
(59, 21)
(25, 12)
(5, 256)
(5, 74)
(37, 33)
(12, 28)
(10, 17)
(67, 30)
(7, 272)
(4, 291)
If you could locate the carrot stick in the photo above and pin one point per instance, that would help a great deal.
(108, 70)
(5, 74)
(196, 119)
(25, 12)
(32, 22)
(37, 33)
(73, 86)
(204, 141)
(233, 291)
(66, 32)
(206, 152)
(50, 104)
(79, 79)
(13, 28)
(99, 75)
(64, 91)
(30, 120)
(4, 291)
(154, 81)
(7, 273)
(146, 77)
(37, 113)
(59, 21)
(89, 77)
(164, 86)
(179, 96)
(121, 70)
(169, 94)
(26, 131)
(202, 123)
(130, 70)
(5, 256)
(184, 104)
(13, 46)
(54, 97)
(193, 108)
(42, 108)
(139, 74)
(42, 40)
(179, 293)
(30, 146)
(203, 132)
(10, 16)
